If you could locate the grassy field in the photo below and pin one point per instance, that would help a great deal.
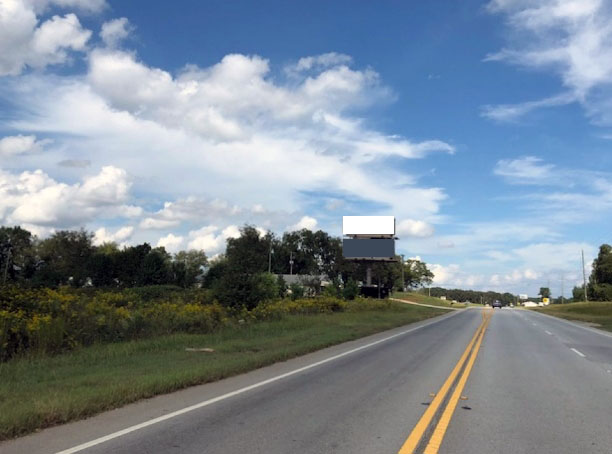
(37, 392)
(424, 299)
(593, 312)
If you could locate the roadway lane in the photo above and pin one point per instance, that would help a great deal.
(531, 393)
(538, 385)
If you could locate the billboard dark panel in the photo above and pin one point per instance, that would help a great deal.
(366, 248)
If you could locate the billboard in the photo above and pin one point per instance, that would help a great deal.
(378, 249)
(523, 296)
(370, 226)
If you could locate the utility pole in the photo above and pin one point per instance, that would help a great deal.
(403, 280)
(7, 259)
(270, 258)
(291, 263)
(562, 288)
(586, 296)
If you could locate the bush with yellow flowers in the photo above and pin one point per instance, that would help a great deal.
(52, 321)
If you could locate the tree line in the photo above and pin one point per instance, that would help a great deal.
(472, 296)
(69, 257)
(599, 287)
(243, 275)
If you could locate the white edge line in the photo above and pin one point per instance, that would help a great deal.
(578, 352)
(575, 325)
(205, 403)
(427, 305)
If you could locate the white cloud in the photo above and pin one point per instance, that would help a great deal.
(102, 235)
(90, 6)
(570, 38)
(584, 193)
(210, 240)
(171, 243)
(190, 209)
(234, 100)
(37, 199)
(528, 169)
(24, 42)
(306, 222)
(511, 112)
(414, 228)
(152, 223)
(452, 276)
(75, 163)
(550, 256)
(231, 231)
(284, 143)
(20, 144)
(327, 60)
(455, 276)
(115, 31)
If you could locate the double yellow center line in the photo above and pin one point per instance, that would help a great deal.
(464, 366)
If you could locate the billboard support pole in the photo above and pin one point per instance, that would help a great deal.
(369, 275)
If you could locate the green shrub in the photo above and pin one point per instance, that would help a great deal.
(350, 290)
(297, 291)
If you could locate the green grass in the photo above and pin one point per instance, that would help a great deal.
(424, 299)
(599, 313)
(37, 392)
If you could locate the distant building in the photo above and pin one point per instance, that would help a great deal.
(306, 280)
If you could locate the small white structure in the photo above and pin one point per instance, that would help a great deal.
(530, 304)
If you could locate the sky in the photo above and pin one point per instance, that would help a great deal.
(484, 127)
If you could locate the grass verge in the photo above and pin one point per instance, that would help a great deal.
(37, 392)
(424, 299)
(598, 313)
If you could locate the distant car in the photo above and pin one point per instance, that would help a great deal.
(497, 304)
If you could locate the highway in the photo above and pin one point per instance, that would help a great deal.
(523, 383)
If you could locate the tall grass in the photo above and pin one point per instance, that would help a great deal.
(598, 313)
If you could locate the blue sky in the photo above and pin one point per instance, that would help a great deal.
(484, 127)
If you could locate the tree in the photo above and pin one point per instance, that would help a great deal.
(187, 266)
(17, 255)
(102, 269)
(248, 253)
(602, 266)
(155, 268)
(129, 264)
(600, 282)
(578, 294)
(65, 256)
(544, 292)
(218, 267)
(416, 274)
(244, 280)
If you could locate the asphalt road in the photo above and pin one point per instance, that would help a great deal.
(538, 385)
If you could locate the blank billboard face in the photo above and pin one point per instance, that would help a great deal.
(368, 248)
(368, 225)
